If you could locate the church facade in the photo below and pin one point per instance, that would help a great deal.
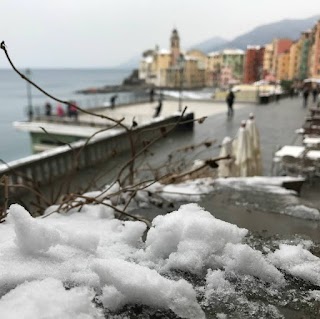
(173, 68)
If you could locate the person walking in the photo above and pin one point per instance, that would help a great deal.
(315, 92)
(230, 100)
(48, 108)
(158, 108)
(113, 101)
(60, 110)
(151, 94)
(305, 96)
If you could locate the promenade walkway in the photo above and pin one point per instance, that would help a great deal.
(143, 112)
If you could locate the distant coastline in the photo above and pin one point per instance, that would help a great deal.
(113, 89)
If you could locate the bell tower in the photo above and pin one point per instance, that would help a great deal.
(175, 47)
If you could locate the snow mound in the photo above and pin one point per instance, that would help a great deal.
(129, 283)
(187, 238)
(191, 239)
(298, 262)
(34, 237)
(302, 211)
(48, 299)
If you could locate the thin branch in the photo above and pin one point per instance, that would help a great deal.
(151, 143)
(3, 47)
(31, 190)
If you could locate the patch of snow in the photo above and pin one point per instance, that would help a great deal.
(48, 299)
(302, 211)
(129, 283)
(268, 184)
(298, 262)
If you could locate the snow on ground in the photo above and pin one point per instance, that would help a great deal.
(298, 262)
(272, 185)
(79, 264)
(195, 95)
(268, 184)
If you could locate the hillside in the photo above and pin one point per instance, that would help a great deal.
(206, 46)
(288, 28)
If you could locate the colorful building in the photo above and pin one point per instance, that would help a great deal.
(173, 68)
(279, 46)
(282, 59)
(234, 59)
(314, 53)
(294, 60)
(214, 64)
(303, 71)
(267, 58)
(283, 66)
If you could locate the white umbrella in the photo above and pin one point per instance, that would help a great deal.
(314, 80)
(255, 145)
(243, 152)
(226, 166)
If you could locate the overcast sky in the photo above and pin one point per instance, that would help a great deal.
(105, 33)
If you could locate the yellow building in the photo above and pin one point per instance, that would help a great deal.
(153, 66)
(199, 56)
(213, 69)
(162, 60)
(196, 68)
(172, 68)
(294, 59)
(194, 74)
(283, 66)
(267, 58)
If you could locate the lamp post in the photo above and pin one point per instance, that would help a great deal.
(181, 64)
(30, 110)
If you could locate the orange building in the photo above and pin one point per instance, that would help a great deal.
(279, 46)
(283, 66)
(314, 57)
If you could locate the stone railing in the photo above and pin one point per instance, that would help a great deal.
(44, 168)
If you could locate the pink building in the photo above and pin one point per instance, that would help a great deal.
(226, 77)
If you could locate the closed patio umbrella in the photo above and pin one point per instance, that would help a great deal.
(226, 167)
(243, 152)
(255, 145)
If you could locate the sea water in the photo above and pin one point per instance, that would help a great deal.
(61, 83)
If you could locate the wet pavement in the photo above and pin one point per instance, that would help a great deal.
(257, 211)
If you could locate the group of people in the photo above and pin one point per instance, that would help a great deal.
(71, 111)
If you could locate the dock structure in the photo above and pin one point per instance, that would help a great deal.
(48, 132)
(67, 136)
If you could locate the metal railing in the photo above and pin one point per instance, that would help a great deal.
(97, 101)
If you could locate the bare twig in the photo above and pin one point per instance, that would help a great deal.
(148, 146)
(31, 189)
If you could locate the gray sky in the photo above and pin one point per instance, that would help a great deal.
(105, 33)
